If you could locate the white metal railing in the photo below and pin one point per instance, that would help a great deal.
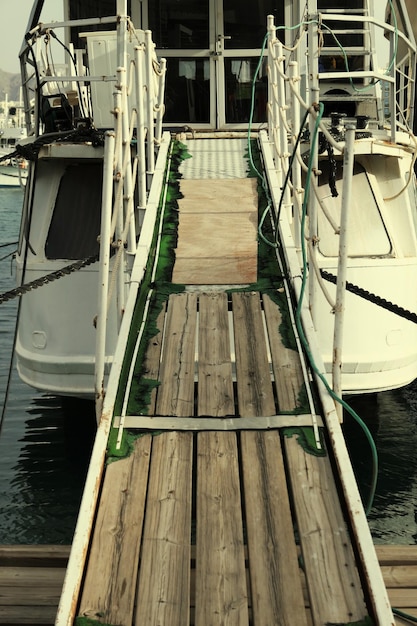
(296, 87)
(115, 86)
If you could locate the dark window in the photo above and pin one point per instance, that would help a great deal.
(75, 223)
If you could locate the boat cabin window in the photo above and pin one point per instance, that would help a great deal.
(75, 223)
(367, 232)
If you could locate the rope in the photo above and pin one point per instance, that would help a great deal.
(372, 297)
(48, 278)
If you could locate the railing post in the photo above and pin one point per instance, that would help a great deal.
(160, 106)
(339, 311)
(296, 168)
(271, 73)
(141, 132)
(150, 100)
(104, 264)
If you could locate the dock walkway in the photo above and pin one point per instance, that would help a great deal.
(229, 508)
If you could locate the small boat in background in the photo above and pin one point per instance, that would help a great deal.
(13, 169)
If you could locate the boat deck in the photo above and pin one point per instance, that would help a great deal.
(228, 509)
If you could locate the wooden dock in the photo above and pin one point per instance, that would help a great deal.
(229, 508)
(31, 579)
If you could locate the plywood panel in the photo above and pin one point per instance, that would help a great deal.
(217, 232)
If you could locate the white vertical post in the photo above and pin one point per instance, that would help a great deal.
(271, 40)
(313, 73)
(104, 264)
(141, 133)
(160, 107)
(296, 168)
(282, 111)
(150, 100)
(127, 163)
(348, 161)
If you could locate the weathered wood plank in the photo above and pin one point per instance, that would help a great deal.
(286, 364)
(396, 554)
(255, 394)
(221, 590)
(332, 578)
(152, 359)
(164, 577)
(42, 595)
(109, 588)
(400, 576)
(34, 555)
(277, 596)
(175, 395)
(276, 590)
(215, 386)
(24, 576)
(27, 615)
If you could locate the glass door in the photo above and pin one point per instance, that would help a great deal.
(212, 49)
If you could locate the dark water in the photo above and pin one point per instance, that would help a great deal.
(45, 447)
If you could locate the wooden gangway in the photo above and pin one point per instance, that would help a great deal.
(229, 508)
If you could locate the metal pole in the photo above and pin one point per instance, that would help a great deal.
(104, 264)
(160, 107)
(296, 168)
(141, 133)
(150, 100)
(339, 311)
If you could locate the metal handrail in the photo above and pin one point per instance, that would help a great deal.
(298, 92)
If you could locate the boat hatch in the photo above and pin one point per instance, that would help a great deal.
(364, 215)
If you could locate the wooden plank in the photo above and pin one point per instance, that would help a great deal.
(255, 394)
(164, 577)
(152, 359)
(402, 598)
(333, 582)
(175, 395)
(400, 576)
(34, 555)
(40, 595)
(25, 576)
(332, 578)
(221, 590)
(286, 363)
(109, 588)
(396, 554)
(215, 385)
(27, 615)
(277, 596)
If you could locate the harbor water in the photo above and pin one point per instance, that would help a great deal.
(45, 445)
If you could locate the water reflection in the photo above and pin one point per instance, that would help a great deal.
(392, 420)
(42, 476)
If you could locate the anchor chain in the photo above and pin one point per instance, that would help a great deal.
(48, 278)
(372, 297)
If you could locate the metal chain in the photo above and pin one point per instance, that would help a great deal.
(49, 278)
(372, 297)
